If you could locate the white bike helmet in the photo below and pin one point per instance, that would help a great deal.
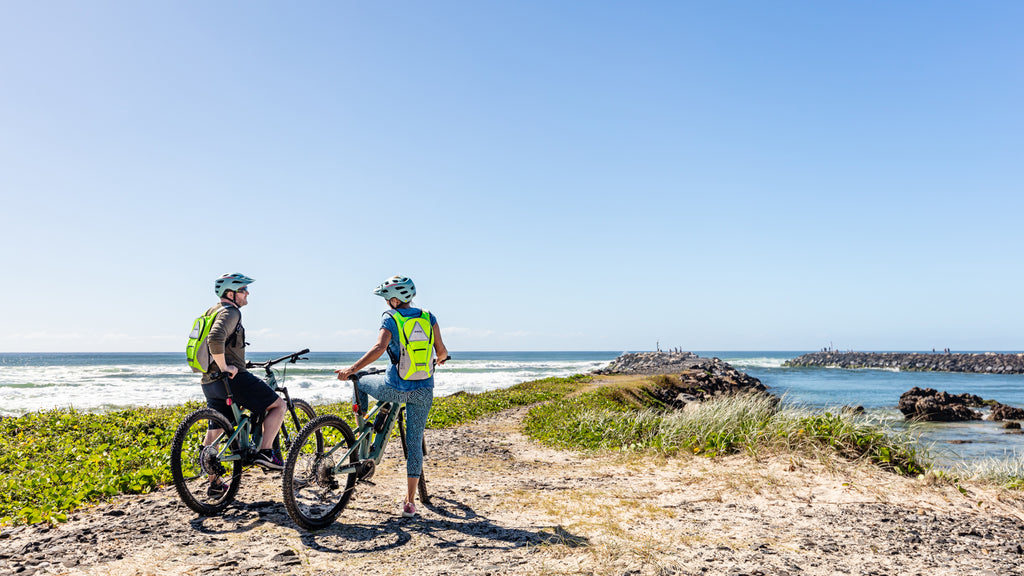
(397, 287)
(231, 282)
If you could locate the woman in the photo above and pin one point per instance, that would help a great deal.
(412, 339)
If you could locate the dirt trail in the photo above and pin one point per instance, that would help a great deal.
(506, 505)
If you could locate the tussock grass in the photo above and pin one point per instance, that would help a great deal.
(1008, 472)
(752, 423)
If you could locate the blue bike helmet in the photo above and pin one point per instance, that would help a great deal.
(232, 282)
(396, 287)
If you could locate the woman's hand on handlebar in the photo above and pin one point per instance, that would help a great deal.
(344, 373)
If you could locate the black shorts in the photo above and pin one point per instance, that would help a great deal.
(246, 389)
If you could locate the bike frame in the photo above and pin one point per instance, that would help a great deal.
(369, 445)
(248, 439)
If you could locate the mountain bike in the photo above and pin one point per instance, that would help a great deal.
(199, 453)
(328, 459)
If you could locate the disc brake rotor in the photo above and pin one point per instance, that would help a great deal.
(323, 473)
(209, 461)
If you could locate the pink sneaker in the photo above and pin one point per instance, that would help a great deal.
(409, 510)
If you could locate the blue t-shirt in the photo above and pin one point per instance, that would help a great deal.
(395, 349)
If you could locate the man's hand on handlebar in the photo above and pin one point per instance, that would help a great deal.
(231, 370)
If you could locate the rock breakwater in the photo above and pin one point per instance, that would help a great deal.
(699, 378)
(984, 363)
(652, 363)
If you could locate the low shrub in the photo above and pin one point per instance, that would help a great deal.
(55, 461)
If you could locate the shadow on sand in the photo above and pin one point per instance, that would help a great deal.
(459, 526)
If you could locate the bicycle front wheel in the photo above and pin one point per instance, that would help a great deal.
(197, 464)
(313, 494)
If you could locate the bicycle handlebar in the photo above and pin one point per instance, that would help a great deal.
(369, 371)
(291, 358)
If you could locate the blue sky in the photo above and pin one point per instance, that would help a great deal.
(553, 175)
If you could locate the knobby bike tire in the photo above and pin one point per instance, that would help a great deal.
(300, 414)
(313, 494)
(191, 462)
(422, 484)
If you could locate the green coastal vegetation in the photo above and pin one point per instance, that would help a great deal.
(56, 461)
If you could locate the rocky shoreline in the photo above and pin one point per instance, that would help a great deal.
(983, 363)
(710, 374)
(699, 378)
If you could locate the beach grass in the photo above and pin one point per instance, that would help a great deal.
(610, 419)
(1008, 472)
(56, 461)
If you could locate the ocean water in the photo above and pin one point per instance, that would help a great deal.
(102, 382)
(878, 391)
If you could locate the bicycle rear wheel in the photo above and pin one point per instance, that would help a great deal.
(313, 494)
(303, 413)
(422, 485)
(193, 462)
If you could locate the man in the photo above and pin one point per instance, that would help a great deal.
(227, 351)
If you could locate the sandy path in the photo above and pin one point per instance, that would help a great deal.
(506, 505)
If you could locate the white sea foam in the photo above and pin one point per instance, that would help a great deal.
(106, 387)
(761, 362)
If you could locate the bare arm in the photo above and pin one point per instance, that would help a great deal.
(439, 347)
(383, 339)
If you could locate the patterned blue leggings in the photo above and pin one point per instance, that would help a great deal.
(417, 406)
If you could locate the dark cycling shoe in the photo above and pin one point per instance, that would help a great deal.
(217, 490)
(269, 460)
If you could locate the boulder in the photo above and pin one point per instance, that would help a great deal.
(1002, 412)
(934, 406)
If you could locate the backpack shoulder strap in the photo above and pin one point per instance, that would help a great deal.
(399, 321)
(233, 330)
